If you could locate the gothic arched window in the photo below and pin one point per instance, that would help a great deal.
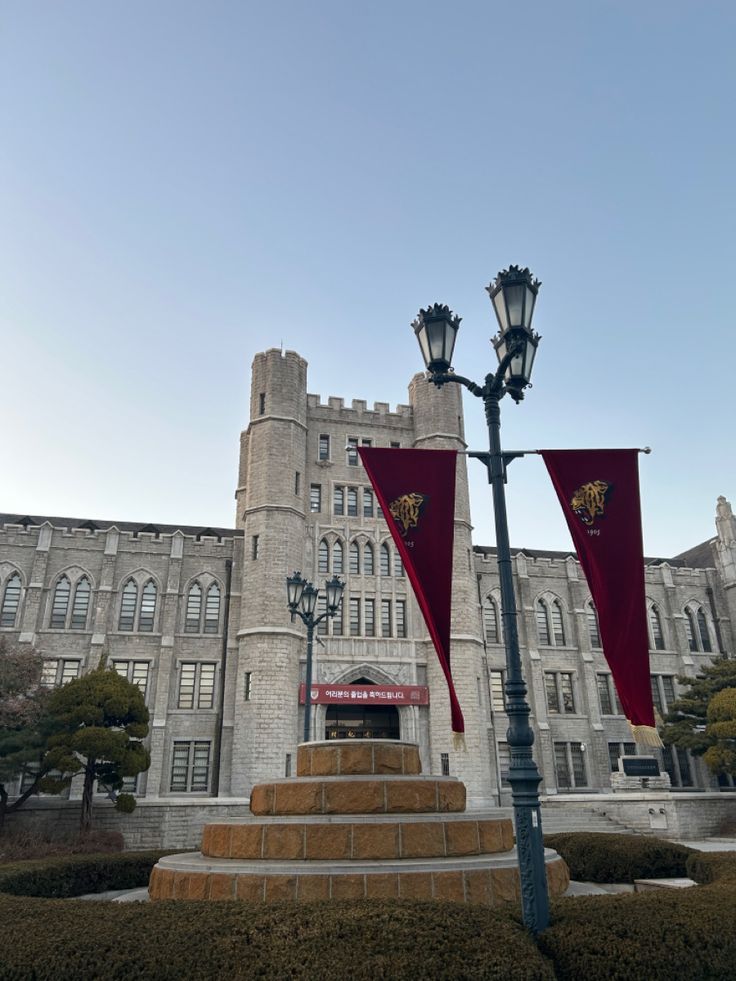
(594, 633)
(703, 631)
(11, 601)
(128, 605)
(323, 557)
(490, 620)
(354, 566)
(337, 558)
(60, 606)
(212, 610)
(655, 625)
(80, 606)
(368, 564)
(543, 632)
(385, 560)
(558, 628)
(148, 607)
(696, 628)
(194, 609)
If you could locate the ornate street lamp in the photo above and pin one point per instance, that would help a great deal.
(301, 597)
(513, 294)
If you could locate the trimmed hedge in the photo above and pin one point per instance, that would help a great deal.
(650, 936)
(595, 857)
(363, 940)
(707, 867)
(76, 875)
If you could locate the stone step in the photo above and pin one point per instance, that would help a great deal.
(486, 880)
(388, 837)
(358, 795)
(348, 757)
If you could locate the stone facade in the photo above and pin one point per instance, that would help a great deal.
(200, 613)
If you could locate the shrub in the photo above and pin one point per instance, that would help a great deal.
(657, 935)
(76, 875)
(707, 867)
(17, 845)
(604, 857)
(362, 940)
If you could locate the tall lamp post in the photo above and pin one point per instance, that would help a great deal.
(513, 294)
(302, 601)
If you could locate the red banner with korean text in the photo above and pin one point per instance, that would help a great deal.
(416, 490)
(599, 494)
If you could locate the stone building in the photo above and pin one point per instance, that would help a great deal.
(198, 618)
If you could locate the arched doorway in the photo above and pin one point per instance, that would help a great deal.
(362, 721)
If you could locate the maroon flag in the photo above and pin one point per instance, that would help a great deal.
(599, 494)
(416, 490)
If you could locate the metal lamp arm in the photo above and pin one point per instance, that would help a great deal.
(493, 382)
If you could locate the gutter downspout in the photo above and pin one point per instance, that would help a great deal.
(223, 668)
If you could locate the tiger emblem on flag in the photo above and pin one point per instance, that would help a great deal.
(406, 510)
(589, 500)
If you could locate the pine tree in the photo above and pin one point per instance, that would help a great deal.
(23, 704)
(687, 723)
(101, 720)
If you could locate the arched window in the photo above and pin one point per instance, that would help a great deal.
(593, 629)
(354, 566)
(398, 565)
(490, 620)
(558, 628)
(212, 610)
(194, 609)
(128, 605)
(80, 606)
(543, 633)
(11, 601)
(696, 628)
(148, 607)
(368, 564)
(690, 630)
(323, 557)
(60, 605)
(703, 631)
(337, 558)
(655, 625)
(385, 560)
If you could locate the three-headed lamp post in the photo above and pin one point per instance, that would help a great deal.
(302, 599)
(513, 295)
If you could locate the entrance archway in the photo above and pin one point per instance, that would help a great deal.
(362, 721)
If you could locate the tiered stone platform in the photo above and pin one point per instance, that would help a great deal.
(359, 820)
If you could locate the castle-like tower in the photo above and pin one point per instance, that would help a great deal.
(271, 510)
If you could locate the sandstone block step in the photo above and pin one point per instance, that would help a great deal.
(350, 757)
(482, 880)
(358, 795)
(420, 836)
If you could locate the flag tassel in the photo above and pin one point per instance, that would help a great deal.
(458, 742)
(646, 736)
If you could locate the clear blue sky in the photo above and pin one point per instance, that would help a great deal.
(184, 184)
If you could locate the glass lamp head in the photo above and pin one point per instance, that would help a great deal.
(309, 599)
(294, 589)
(436, 330)
(333, 590)
(513, 294)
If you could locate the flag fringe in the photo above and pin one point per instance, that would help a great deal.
(458, 742)
(646, 736)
